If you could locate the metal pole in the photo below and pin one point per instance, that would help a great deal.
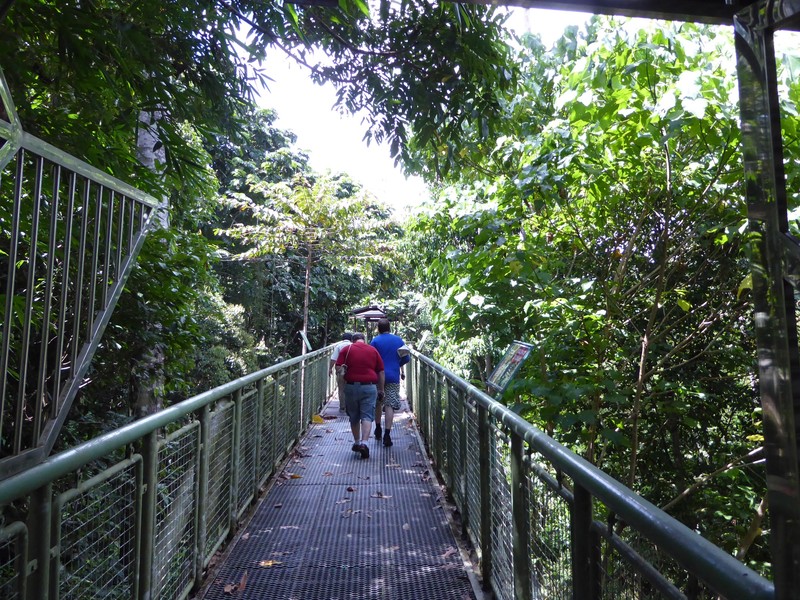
(485, 494)
(202, 498)
(233, 499)
(584, 543)
(39, 526)
(149, 452)
(520, 513)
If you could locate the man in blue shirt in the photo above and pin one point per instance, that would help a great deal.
(387, 345)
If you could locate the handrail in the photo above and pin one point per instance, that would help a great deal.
(139, 512)
(698, 556)
(69, 460)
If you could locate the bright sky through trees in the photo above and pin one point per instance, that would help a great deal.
(334, 142)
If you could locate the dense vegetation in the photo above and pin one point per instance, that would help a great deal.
(588, 201)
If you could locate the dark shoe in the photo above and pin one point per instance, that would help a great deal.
(378, 432)
(387, 439)
(356, 447)
(364, 451)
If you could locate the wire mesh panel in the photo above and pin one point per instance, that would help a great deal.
(13, 560)
(268, 430)
(457, 445)
(282, 413)
(550, 550)
(97, 530)
(472, 470)
(502, 565)
(218, 501)
(633, 567)
(248, 446)
(176, 514)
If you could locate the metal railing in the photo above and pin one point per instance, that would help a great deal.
(139, 512)
(73, 234)
(530, 507)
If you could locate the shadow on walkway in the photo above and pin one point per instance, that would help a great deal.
(335, 526)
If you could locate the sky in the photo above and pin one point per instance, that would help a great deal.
(334, 142)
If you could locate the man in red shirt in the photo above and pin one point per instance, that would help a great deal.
(364, 383)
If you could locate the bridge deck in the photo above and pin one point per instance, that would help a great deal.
(338, 527)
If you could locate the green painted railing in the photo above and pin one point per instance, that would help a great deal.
(548, 524)
(139, 512)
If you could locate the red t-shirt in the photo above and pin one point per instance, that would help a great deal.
(363, 363)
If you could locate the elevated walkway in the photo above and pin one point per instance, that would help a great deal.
(334, 526)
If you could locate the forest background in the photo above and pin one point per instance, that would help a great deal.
(587, 199)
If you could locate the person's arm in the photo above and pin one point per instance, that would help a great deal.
(381, 383)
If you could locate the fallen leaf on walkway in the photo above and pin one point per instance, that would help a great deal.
(269, 563)
(393, 548)
(425, 494)
(279, 505)
(327, 474)
(343, 501)
(230, 588)
(296, 476)
(243, 582)
(289, 527)
(392, 465)
(246, 536)
(379, 494)
(330, 417)
(406, 526)
(317, 420)
(351, 488)
(449, 552)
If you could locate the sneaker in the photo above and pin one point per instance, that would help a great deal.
(364, 451)
(387, 439)
(378, 432)
(356, 447)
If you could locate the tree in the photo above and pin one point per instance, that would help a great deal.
(606, 226)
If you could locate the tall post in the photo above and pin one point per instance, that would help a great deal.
(40, 529)
(775, 257)
(149, 451)
(520, 512)
(484, 443)
(585, 570)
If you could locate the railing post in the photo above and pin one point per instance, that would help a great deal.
(585, 548)
(233, 514)
(258, 439)
(485, 494)
(149, 452)
(520, 511)
(202, 497)
(40, 528)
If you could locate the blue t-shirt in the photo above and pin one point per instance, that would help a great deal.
(387, 345)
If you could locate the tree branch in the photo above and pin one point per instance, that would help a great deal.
(751, 456)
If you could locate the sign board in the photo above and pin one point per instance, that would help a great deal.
(509, 365)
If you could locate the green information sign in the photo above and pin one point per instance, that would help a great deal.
(504, 372)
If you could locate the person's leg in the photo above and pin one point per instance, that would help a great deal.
(391, 403)
(351, 402)
(366, 412)
(377, 417)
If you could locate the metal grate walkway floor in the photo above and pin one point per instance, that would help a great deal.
(338, 527)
